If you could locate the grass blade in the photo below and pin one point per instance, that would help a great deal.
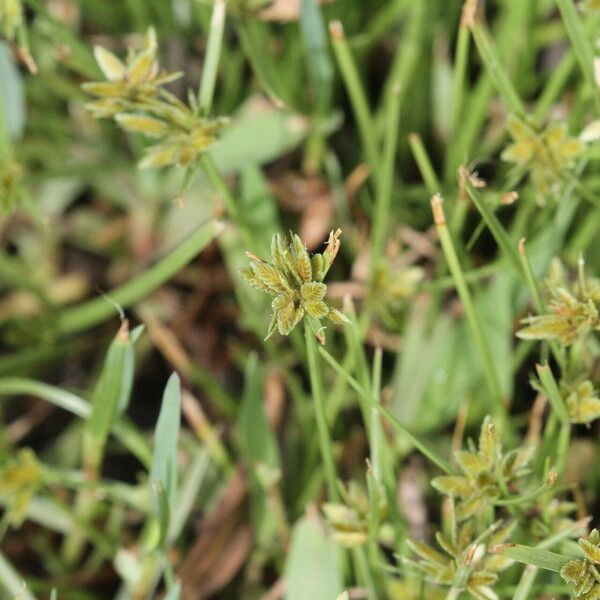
(550, 561)
(310, 546)
(95, 311)
(496, 70)
(582, 47)
(163, 472)
(489, 369)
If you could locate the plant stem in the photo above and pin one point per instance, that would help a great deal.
(122, 429)
(211, 60)
(496, 70)
(553, 393)
(381, 214)
(12, 581)
(582, 47)
(376, 433)
(427, 452)
(432, 183)
(216, 179)
(99, 309)
(496, 397)
(460, 71)
(362, 113)
(316, 384)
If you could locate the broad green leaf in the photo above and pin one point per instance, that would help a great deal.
(257, 439)
(163, 472)
(174, 592)
(129, 370)
(12, 96)
(550, 561)
(320, 67)
(106, 398)
(312, 569)
(278, 130)
(12, 581)
(259, 448)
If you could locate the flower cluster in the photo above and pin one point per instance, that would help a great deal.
(573, 310)
(585, 574)
(465, 561)
(349, 521)
(135, 98)
(477, 486)
(488, 478)
(296, 281)
(392, 287)
(20, 478)
(583, 403)
(547, 154)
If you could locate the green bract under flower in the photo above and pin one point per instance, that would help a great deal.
(134, 97)
(296, 281)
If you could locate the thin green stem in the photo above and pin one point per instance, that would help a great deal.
(460, 71)
(426, 451)
(210, 67)
(491, 376)
(528, 498)
(376, 433)
(432, 183)
(500, 235)
(540, 306)
(553, 393)
(12, 581)
(582, 47)
(318, 394)
(496, 70)
(384, 194)
(218, 182)
(93, 312)
(358, 99)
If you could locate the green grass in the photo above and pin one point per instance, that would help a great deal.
(154, 444)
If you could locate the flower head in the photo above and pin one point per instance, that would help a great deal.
(134, 97)
(296, 281)
(20, 478)
(584, 574)
(547, 154)
(477, 486)
(138, 79)
(573, 310)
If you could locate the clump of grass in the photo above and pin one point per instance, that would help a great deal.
(307, 462)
